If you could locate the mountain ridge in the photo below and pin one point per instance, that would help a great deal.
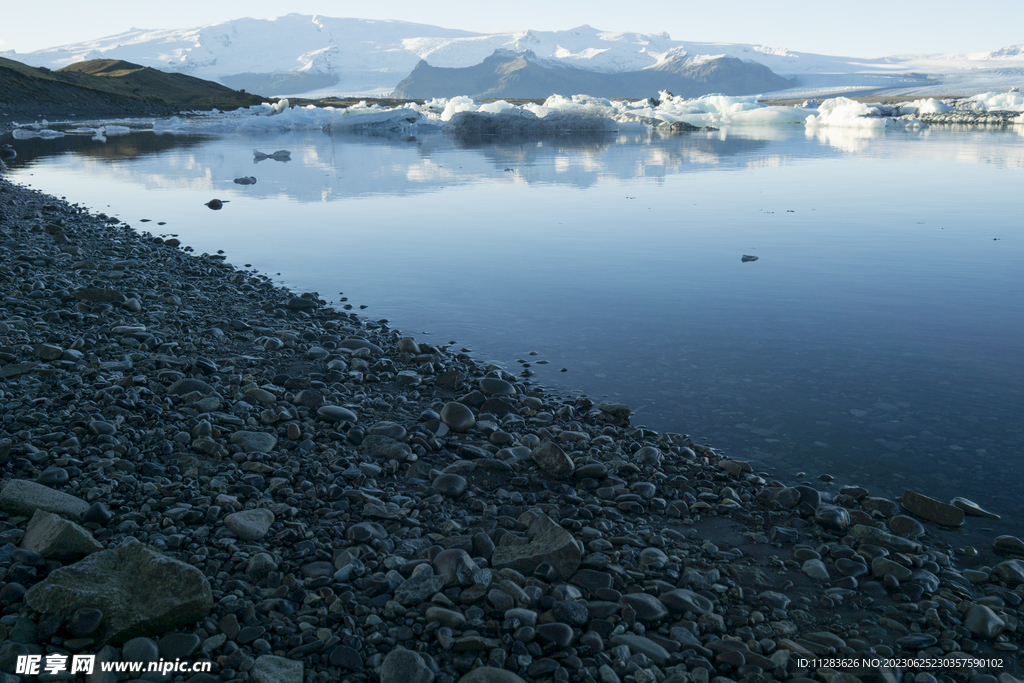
(505, 74)
(311, 55)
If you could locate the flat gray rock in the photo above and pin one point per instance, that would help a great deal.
(642, 645)
(550, 457)
(385, 448)
(274, 669)
(254, 442)
(250, 525)
(490, 674)
(405, 666)
(54, 537)
(20, 497)
(548, 542)
(874, 536)
(336, 414)
(139, 591)
(932, 510)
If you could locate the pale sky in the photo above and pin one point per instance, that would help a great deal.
(871, 30)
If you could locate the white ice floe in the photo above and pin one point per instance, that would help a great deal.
(926, 106)
(993, 101)
(846, 113)
(28, 133)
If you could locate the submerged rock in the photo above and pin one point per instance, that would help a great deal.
(932, 510)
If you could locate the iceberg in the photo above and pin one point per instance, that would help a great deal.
(846, 113)
(992, 101)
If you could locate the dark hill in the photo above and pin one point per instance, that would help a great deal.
(103, 88)
(523, 76)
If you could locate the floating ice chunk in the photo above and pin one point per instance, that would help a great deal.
(458, 104)
(279, 155)
(374, 120)
(927, 106)
(270, 109)
(847, 113)
(171, 126)
(45, 133)
(496, 107)
(992, 101)
(513, 123)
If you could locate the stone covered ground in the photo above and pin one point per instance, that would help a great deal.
(198, 464)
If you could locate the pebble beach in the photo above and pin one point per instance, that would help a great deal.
(198, 464)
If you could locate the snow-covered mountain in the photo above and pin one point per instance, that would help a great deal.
(314, 55)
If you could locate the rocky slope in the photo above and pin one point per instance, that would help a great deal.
(106, 88)
(197, 464)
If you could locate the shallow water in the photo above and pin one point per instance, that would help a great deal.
(876, 339)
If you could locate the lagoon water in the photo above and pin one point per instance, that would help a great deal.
(877, 338)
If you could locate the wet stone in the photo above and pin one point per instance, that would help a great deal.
(647, 607)
(682, 600)
(385, 448)
(932, 510)
(551, 459)
(492, 386)
(570, 612)
(140, 650)
(250, 525)
(1008, 546)
(1010, 571)
(450, 485)
(917, 641)
(972, 509)
(258, 442)
(346, 658)
(53, 476)
(833, 518)
(591, 579)
(405, 666)
(177, 645)
(457, 417)
(983, 622)
(908, 527)
(336, 414)
(274, 669)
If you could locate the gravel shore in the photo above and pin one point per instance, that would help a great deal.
(199, 464)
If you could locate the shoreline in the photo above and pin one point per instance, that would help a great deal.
(322, 470)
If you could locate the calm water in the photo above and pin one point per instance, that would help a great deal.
(877, 338)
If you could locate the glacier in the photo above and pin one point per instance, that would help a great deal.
(313, 55)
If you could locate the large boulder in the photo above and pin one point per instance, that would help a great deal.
(139, 591)
(547, 542)
(20, 497)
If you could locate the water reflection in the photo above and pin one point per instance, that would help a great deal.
(876, 339)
